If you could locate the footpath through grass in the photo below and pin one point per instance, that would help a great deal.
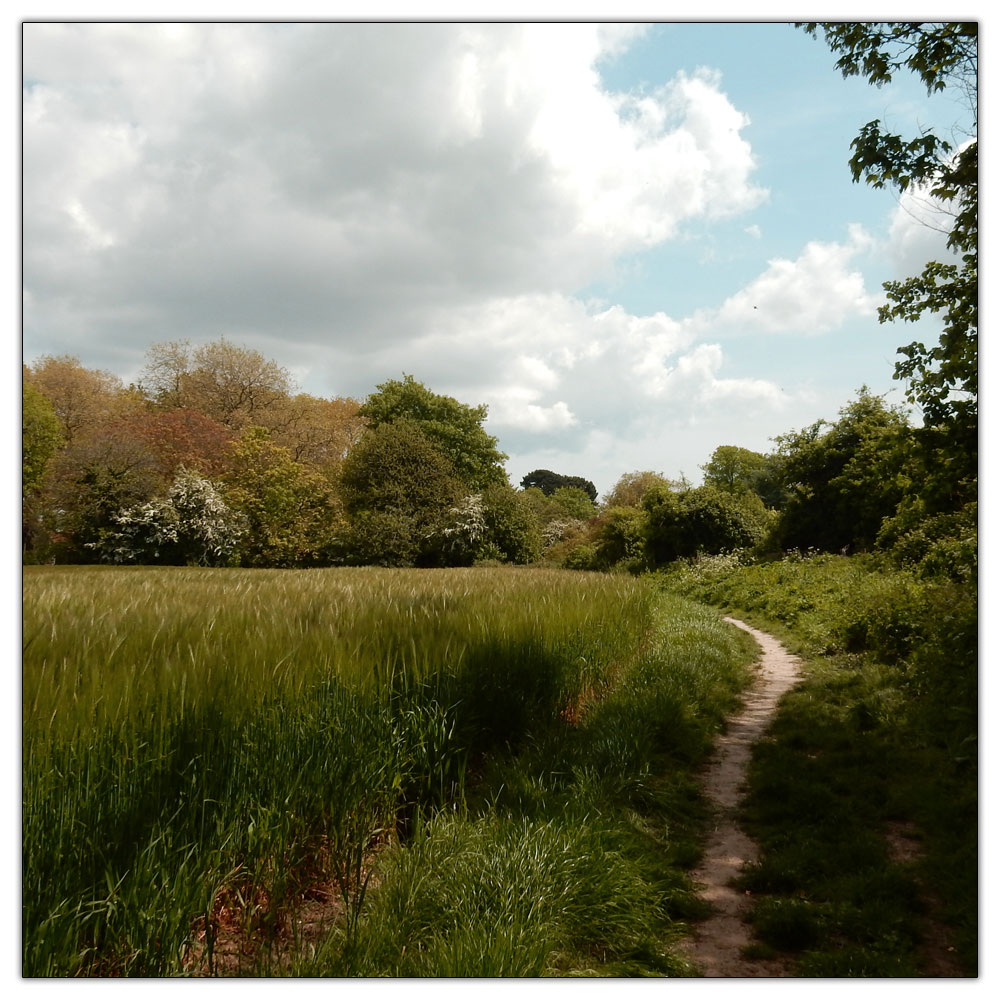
(874, 751)
(493, 767)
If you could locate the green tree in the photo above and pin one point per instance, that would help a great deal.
(739, 470)
(633, 486)
(453, 427)
(291, 513)
(542, 479)
(703, 520)
(513, 530)
(574, 503)
(942, 379)
(844, 478)
(548, 482)
(622, 536)
(396, 480)
(561, 517)
(41, 435)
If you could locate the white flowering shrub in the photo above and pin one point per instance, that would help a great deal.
(191, 525)
(208, 529)
(143, 533)
(561, 529)
(458, 540)
(493, 526)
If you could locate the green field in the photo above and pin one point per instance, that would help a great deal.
(492, 766)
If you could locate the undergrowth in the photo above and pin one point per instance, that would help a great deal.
(882, 731)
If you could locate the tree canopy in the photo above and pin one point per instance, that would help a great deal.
(290, 512)
(182, 437)
(548, 482)
(453, 427)
(398, 488)
(84, 399)
(942, 379)
(702, 520)
(40, 436)
(844, 478)
(231, 384)
(91, 480)
(633, 486)
(739, 470)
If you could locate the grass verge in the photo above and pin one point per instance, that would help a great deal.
(879, 738)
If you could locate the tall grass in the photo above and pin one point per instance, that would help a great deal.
(569, 855)
(197, 735)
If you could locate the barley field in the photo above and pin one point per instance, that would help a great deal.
(194, 737)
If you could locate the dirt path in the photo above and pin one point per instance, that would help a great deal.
(717, 943)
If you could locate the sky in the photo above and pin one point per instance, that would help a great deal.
(634, 243)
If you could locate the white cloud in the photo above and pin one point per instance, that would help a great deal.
(514, 409)
(815, 293)
(556, 371)
(918, 232)
(514, 404)
(637, 166)
(329, 180)
(695, 377)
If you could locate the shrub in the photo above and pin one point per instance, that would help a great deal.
(378, 538)
(191, 525)
(703, 520)
(622, 536)
(460, 537)
(494, 525)
(558, 531)
(511, 526)
(881, 613)
(835, 603)
(937, 545)
(583, 557)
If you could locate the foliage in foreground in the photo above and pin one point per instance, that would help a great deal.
(881, 737)
(209, 742)
(944, 378)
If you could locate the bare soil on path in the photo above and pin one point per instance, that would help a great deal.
(717, 944)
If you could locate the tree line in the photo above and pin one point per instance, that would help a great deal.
(214, 459)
